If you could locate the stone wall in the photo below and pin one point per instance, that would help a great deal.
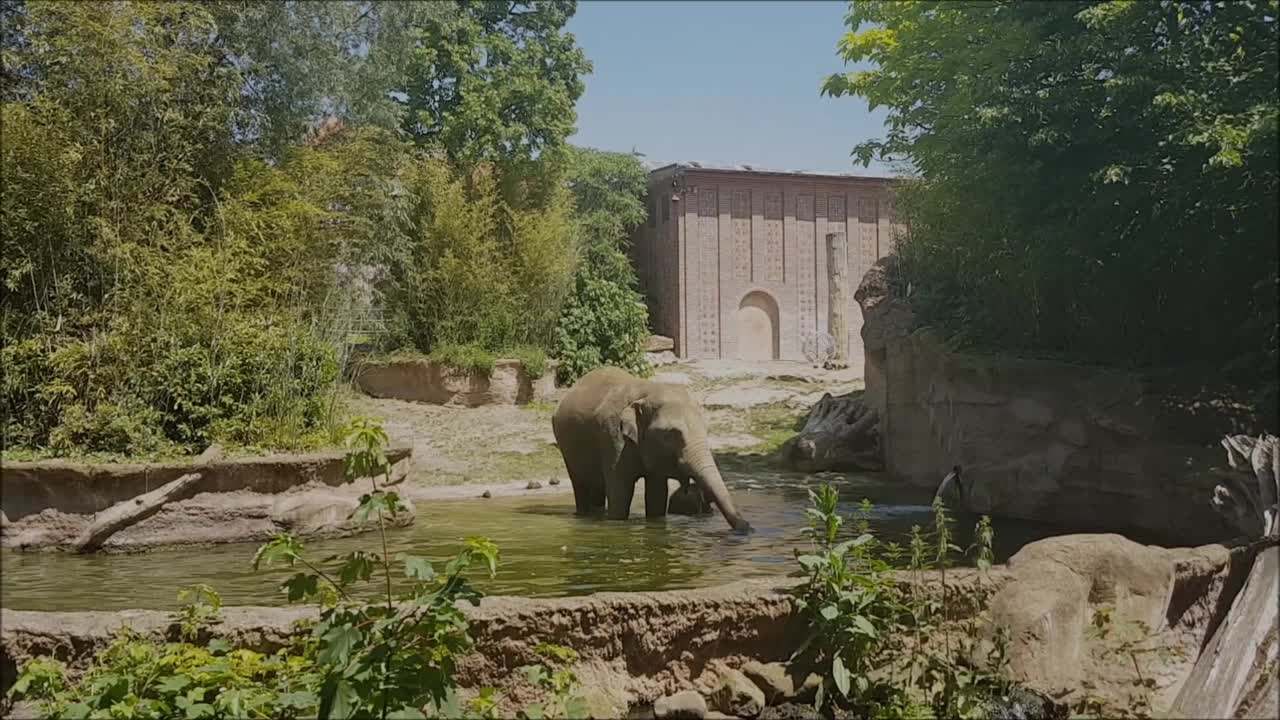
(1080, 446)
(427, 381)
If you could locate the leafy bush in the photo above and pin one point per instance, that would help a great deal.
(879, 643)
(479, 271)
(604, 320)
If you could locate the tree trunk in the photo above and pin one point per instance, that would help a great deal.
(840, 433)
(838, 297)
(1249, 502)
(134, 510)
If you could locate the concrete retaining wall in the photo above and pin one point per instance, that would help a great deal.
(27, 488)
(1075, 445)
(431, 382)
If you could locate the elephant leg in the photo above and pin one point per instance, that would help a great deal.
(588, 485)
(620, 488)
(655, 496)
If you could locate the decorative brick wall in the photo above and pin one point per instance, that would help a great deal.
(716, 236)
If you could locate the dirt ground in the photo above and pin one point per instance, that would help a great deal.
(751, 408)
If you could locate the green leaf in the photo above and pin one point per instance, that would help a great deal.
(811, 562)
(219, 646)
(406, 712)
(282, 548)
(358, 566)
(486, 549)
(534, 711)
(418, 568)
(300, 586)
(829, 612)
(299, 700)
(173, 683)
(840, 674)
(79, 710)
(536, 674)
(337, 644)
(337, 699)
(864, 626)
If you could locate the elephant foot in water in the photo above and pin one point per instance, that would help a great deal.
(688, 500)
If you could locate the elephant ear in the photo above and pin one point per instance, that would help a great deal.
(631, 419)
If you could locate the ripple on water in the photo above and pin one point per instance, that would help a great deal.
(546, 551)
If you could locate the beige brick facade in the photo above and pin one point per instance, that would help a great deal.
(733, 261)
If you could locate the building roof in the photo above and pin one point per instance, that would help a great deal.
(654, 166)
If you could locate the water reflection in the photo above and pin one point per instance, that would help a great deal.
(546, 551)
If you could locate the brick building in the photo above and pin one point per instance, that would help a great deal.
(733, 260)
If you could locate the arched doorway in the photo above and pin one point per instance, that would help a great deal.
(758, 327)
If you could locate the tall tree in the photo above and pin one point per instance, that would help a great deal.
(1098, 177)
(496, 82)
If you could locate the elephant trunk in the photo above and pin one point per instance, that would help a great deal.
(702, 466)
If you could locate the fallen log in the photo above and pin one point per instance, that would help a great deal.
(1251, 507)
(135, 510)
(840, 433)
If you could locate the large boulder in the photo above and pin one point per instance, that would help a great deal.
(737, 695)
(1076, 605)
(684, 705)
(659, 343)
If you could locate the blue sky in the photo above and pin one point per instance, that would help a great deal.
(726, 82)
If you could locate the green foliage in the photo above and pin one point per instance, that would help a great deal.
(201, 607)
(479, 271)
(1097, 178)
(560, 685)
(466, 358)
(533, 361)
(496, 83)
(189, 245)
(879, 641)
(604, 320)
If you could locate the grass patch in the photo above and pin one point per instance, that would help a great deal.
(540, 407)
(774, 424)
(543, 463)
(465, 358)
(474, 360)
(533, 361)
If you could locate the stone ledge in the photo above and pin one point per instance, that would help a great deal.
(28, 488)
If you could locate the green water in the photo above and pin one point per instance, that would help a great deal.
(546, 551)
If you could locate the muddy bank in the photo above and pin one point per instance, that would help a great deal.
(47, 504)
(638, 647)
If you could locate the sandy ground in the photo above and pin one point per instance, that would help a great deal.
(751, 408)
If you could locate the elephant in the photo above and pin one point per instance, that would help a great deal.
(613, 428)
(688, 500)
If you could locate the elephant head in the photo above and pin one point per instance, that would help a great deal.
(666, 426)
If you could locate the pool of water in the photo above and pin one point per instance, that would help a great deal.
(546, 551)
